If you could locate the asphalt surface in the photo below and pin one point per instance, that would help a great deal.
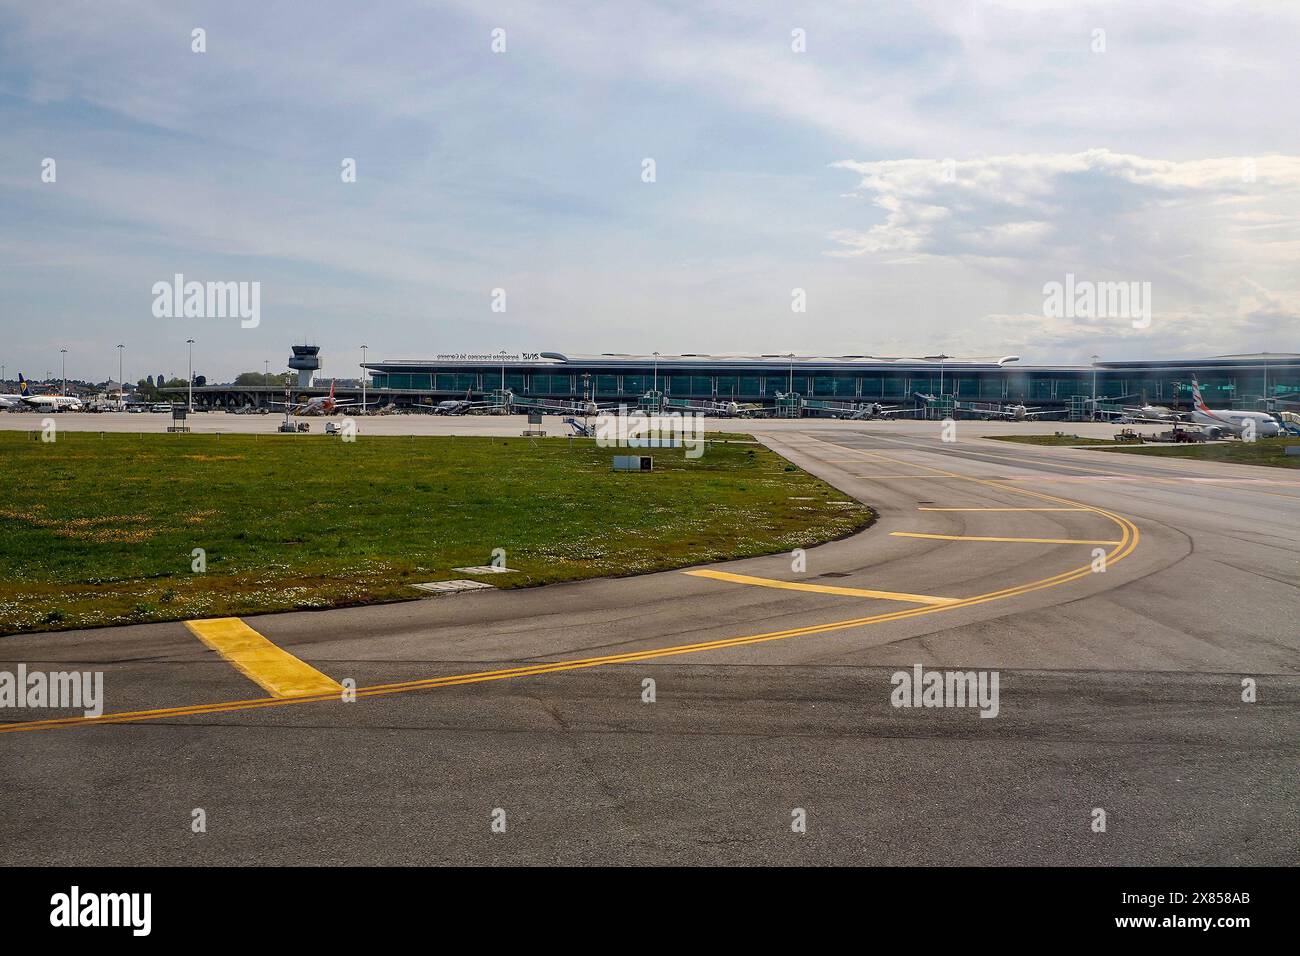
(212, 423)
(1119, 690)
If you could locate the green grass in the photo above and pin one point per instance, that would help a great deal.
(1051, 439)
(1264, 451)
(729, 436)
(99, 530)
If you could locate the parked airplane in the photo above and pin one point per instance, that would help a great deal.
(52, 403)
(737, 410)
(1016, 413)
(584, 407)
(320, 405)
(505, 401)
(462, 406)
(1147, 413)
(454, 407)
(1266, 426)
(729, 408)
(877, 410)
(1215, 422)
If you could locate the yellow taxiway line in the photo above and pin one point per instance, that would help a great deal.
(1130, 535)
(977, 537)
(273, 669)
(819, 588)
(1003, 509)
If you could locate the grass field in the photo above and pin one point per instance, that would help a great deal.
(1264, 451)
(1051, 439)
(101, 529)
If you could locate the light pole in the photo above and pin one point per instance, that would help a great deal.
(63, 390)
(1094, 388)
(190, 401)
(121, 385)
(363, 377)
(791, 358)
(503, 370)
(657, 372)
(940, 358)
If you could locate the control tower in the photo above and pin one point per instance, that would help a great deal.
(306, 362)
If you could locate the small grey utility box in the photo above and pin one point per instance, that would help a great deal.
(633, 463)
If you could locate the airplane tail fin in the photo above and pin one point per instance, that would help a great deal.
(22, 385)
(331, 388)
(1196, 395)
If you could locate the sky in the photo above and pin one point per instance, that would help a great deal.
(914, 175)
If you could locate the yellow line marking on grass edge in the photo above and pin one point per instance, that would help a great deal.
(976, 537)
(1129, 541)
(819, 588)
(270, 667)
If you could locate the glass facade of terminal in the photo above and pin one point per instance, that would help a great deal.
(1236, 382)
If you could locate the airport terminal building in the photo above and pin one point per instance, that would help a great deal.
(1240, 381)
(931, 386)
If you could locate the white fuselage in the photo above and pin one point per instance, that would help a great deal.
(1266, 426)
(52, 402)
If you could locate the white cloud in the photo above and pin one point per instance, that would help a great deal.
(1217, 239)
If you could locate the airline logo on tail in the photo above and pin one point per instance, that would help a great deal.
(1196, 398)
(22, 385)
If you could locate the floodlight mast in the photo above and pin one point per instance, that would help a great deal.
(363, 378)
(189, 402)
(1093, 416)
(940, 359)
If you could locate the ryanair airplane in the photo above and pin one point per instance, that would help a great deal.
(27, 398)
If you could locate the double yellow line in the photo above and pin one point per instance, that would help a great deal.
(1128, 542)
